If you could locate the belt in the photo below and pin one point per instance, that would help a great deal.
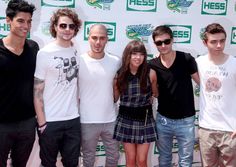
(136, 113)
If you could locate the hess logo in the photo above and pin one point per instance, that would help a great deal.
(111, 29)
(58, 3)
(4, 27)
(181, 33)
(142, 5)
(214, 7)
(100, 149)
(233, 35)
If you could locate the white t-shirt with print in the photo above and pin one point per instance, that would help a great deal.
(217, 94)
(58, 67)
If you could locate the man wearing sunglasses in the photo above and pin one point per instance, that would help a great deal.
(217, 125)
(176, 111)
(55, 92)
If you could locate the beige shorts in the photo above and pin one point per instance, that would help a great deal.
(217, 148)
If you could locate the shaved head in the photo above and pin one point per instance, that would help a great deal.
(98, 26)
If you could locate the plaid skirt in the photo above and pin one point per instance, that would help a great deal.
(137, 132)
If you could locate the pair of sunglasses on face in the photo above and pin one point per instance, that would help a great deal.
(64, 26)
(166, 42)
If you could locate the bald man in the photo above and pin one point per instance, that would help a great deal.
(97, 109)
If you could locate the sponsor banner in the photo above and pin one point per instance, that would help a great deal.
(4, 27)
(141, 5)
(196, 90)
(179, 6)
(150, 56)
(139, 32)
(3, 4)
(58, 3)
(4, 1)
(201, 33)
(214, 7)
(100, 4)
(45, 26)
(233, 35)
(181, 33)
(100, 149)
(111, 29)
(135, 20)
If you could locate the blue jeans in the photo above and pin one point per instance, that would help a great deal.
(184, 131)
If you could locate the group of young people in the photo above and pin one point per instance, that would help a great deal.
(71, 98)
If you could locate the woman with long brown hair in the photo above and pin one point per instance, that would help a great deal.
(135, 85)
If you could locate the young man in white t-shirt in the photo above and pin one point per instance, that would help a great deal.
(96, 72)
(217, 119)
(55, 93)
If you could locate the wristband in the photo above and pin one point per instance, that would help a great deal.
(40, 126)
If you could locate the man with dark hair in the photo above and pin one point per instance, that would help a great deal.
(217, 125)
(17, 65)
(176, 112)
(55, 92)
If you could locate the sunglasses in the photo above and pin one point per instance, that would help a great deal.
(64, 26)
(166, 42)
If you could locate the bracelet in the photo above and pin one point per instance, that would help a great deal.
(40, 126)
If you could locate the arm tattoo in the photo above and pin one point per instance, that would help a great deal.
(38, 92)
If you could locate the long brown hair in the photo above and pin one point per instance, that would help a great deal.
(122, 78)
